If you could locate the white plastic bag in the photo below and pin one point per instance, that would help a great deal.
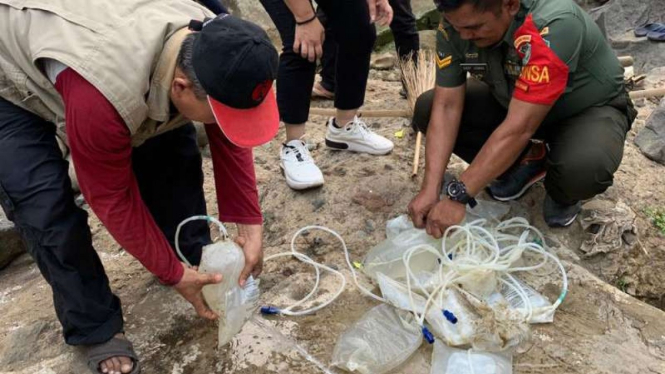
(232, 303)
(380, 341)
(386, 257)
(398, 295)
(448, 360)
(459, 332)
(542, 310)
(396, 225)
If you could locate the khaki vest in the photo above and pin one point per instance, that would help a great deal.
(127, 49)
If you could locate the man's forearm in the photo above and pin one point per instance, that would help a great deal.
(250, 231)
(441, 136)
(302, 9)
(497, 155)
(504, 145)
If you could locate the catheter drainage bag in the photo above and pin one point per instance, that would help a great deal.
(233, 304)
(448, 360)
(380, 341)
(386, 257)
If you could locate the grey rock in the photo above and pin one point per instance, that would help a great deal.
(370, 226)
(318, 203)
(590, 4)
(651, 139)
(25, 341)
(383, 61)
(11, 243)
(427, 18)
(620, 17)
(252, 10)
(428, 39)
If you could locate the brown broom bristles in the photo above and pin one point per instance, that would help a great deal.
(418, 76)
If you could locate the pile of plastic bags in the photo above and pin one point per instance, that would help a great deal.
(466, 293)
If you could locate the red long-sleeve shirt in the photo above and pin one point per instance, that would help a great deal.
(101, 149)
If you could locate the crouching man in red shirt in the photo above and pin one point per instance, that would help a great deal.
(128, 91)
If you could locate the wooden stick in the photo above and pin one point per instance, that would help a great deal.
(647, 93)
(416, 157)
(626, 61)
(377, 113)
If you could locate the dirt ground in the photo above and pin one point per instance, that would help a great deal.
(360, 194)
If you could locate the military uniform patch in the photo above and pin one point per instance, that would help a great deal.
(443, 62)
(544, 76)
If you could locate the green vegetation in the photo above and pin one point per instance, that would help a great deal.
(657, 217)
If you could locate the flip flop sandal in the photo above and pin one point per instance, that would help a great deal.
(113, 348)
(644, 30)
(657, 35)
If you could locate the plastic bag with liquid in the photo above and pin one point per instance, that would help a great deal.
(448, 360)
(233, 304)
(542, 310)
(462, 329)
(386, 257)
(380, 341)
(397, 295)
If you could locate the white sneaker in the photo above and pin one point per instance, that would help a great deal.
(355, 136)
(299, 168)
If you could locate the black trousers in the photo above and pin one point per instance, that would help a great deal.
(584, 151)
(215, 6)
(36, 194)
(403, 27)
(355, 38)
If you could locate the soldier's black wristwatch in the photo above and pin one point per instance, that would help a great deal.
(456, 191)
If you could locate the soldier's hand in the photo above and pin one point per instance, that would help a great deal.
(420, 206)
(444, 214)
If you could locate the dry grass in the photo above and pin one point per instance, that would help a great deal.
(419, 76)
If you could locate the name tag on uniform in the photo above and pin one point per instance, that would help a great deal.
(474, 67)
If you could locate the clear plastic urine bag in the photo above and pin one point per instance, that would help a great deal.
(386, 257)
(448, 360)
(232, 303)
(541, 308)
(380, 341)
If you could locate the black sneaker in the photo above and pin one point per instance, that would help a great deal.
(517, 180)
(560, 215)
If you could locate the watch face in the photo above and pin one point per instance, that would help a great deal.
(453, 189)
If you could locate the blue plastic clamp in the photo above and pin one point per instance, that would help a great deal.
(450, 316)
(270, 310)
(428, 335)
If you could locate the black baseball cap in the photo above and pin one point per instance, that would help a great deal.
(236, 64)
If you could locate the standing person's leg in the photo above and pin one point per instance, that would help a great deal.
(403, 27)
(326, 87)
(295, 74)
(294, 89)
(405, 32)
(355, 37)
(584, 153)
(170, 178)
(36, 194)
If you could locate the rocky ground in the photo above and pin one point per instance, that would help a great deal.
(611, 322)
